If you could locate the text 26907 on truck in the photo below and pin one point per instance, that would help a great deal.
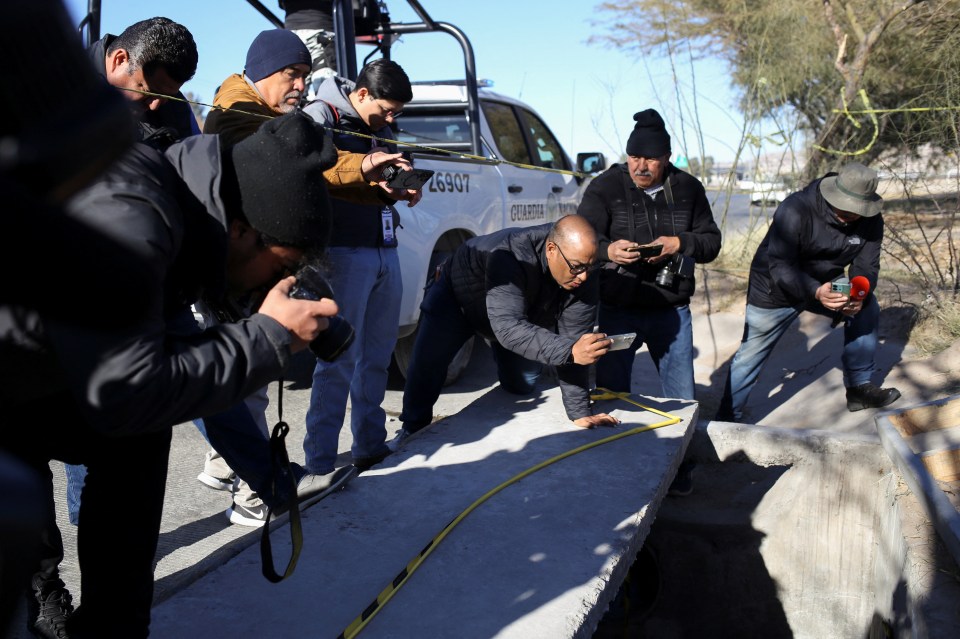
(472, 195)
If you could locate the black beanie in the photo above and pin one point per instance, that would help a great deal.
(649, 138)
(279, 179)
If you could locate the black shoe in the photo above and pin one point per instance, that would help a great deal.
(366, 463)
(682, 484)
(49, 608)
(870, 396)
(313, 488)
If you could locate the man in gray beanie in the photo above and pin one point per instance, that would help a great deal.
(654, 223)
(95, 395)
(817, 234)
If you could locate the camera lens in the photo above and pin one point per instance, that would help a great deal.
(329, 344)
(665, 277)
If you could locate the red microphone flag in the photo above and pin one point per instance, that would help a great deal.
(859, 287)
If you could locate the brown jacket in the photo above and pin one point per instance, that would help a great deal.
(241, 111)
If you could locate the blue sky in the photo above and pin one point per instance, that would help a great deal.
(534, 50)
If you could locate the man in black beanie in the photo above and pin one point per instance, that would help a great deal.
(93, 396)
(654, 223)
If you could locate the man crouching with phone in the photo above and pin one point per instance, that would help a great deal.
(527, 290)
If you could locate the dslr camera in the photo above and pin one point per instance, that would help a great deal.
(677, 266)
(329, 344)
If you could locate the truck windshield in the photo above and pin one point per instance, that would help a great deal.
(447, 131)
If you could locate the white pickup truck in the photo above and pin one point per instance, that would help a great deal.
(476, 195)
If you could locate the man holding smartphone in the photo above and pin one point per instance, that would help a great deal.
(530, 292)
(364, 273)
(816, 234)
(654, 223)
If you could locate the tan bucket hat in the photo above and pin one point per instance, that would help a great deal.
(853, 190)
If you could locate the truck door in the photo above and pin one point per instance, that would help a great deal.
(531, 196)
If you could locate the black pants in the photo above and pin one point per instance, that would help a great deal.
(119, 513)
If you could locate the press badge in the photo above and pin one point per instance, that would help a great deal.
(386, 225)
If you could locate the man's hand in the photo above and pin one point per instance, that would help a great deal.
(832, 300)
(593, 421)
(590, 347)
(305, 319)
(852, 307)
(671, 246)
(372, 168)
(617, 252)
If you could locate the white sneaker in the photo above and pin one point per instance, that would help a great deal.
(215, 482)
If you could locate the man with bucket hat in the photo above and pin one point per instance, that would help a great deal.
(816, 234)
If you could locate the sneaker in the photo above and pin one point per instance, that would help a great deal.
(870, 396)
(313, 488)
(215, 482)
(398, 439)
(49, 608)
(255, 516)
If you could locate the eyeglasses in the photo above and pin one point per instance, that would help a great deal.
(575, 269)
(387, 111)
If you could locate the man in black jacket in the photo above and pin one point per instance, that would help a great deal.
(528, 291)
(650, 203)
(150, 57)
(206, 223)
(835, 222)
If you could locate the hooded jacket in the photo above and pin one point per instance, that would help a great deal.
(806, 245)
(355, 225)
(619, 210)
(166, 210)
(504, 286)
(240, 113)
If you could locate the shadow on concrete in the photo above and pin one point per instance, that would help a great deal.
(701, 573)
(794, 363)
(553, 503)
(190, 533)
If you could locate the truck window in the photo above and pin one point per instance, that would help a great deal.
(507, 134)
(447, 131)
(547, 152)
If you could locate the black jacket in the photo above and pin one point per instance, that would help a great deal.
(504, 286)
(806, 245)
(620, 210)
(166, 210)
(172, 114)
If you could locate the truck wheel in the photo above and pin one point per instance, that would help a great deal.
(404, 351)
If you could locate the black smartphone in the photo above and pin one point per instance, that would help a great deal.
(647, 250)
(410, 180)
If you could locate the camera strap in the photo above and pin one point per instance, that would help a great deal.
(281, 472)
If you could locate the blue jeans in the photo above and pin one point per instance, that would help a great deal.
(668, 334)
(368, 287)
(763, 329)
(76, 475)
(443, 329)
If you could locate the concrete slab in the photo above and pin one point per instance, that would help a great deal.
(542, 558)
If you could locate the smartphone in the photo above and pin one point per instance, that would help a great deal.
(647, 250)
(622, 341)
(410, 180)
